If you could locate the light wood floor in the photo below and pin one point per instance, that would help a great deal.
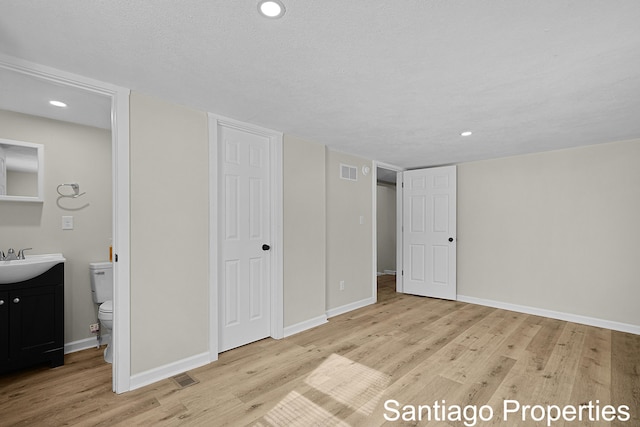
(415, 350)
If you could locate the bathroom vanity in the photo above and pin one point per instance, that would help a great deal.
(32, 320)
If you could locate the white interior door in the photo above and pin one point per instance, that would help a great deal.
(429, 232)
(244, 212)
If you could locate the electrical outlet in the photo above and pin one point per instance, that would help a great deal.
(94, 327)
(342, 285)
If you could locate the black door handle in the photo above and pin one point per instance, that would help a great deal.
(451, 239)
(266, 247)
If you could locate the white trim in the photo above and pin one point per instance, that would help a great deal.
(399, 233)
(350, 307)
(277, 257)
(120, 178)
(569, 317)
(374, 230)
(84, 344)
(163, 372)
(121, 342)
(303, 326)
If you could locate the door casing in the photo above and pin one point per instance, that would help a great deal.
(277, 301)
(121, 340)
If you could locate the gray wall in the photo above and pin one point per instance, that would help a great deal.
(556, 230)
(349, 243)
(72, 153)
(386, 206)
(304, 221)
(169, 233)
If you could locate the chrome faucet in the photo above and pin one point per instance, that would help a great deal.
(11, 254)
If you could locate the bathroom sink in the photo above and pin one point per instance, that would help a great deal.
(24, 269)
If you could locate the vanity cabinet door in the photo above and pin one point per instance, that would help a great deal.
(35, 322)
(4, 327)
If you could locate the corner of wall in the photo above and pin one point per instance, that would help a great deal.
(349, 234)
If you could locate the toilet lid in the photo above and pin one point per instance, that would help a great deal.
(106, 307)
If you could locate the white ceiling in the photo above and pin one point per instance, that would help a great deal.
(396, 81)
(31, 95)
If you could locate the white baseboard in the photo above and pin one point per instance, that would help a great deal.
(575, 318)
(386, 272)
(92, 342)
(350, 307)
(154, 375)
(303, 326)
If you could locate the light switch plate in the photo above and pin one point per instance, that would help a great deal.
(67, 223)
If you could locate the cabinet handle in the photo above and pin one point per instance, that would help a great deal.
(16, 300)
(1, 302)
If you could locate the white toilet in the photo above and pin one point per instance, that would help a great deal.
(102, 292)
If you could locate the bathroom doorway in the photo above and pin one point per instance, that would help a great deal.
(388, 244)
(30, 87)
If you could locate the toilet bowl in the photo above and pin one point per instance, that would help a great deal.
(105, 316)
(102, 293)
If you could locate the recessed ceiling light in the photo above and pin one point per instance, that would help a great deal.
(271, 8)
(58, 104)
(466, 133)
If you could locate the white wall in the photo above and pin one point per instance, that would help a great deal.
(72, 153)
(349, 243)
(386, 226)
(169, 233)
(557, 230)
(304, 198)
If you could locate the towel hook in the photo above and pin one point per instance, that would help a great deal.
(74, 187)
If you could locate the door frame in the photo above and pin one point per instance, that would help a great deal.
(276, 182)
(121, 339)
(382, 165)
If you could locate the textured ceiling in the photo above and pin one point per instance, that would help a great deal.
(391, 81)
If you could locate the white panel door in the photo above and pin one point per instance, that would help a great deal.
(244, 273)
(429, 232)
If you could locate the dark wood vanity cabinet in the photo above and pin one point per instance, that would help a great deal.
(32, 321)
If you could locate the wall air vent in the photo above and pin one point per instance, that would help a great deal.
(349, 172)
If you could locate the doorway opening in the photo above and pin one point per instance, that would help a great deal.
(388, 245)
(34, 78)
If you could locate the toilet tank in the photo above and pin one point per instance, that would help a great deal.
(101, 281)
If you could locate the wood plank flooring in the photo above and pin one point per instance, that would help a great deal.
(414, 350)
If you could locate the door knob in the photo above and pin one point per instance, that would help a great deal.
(266, 247)
(451, 239)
